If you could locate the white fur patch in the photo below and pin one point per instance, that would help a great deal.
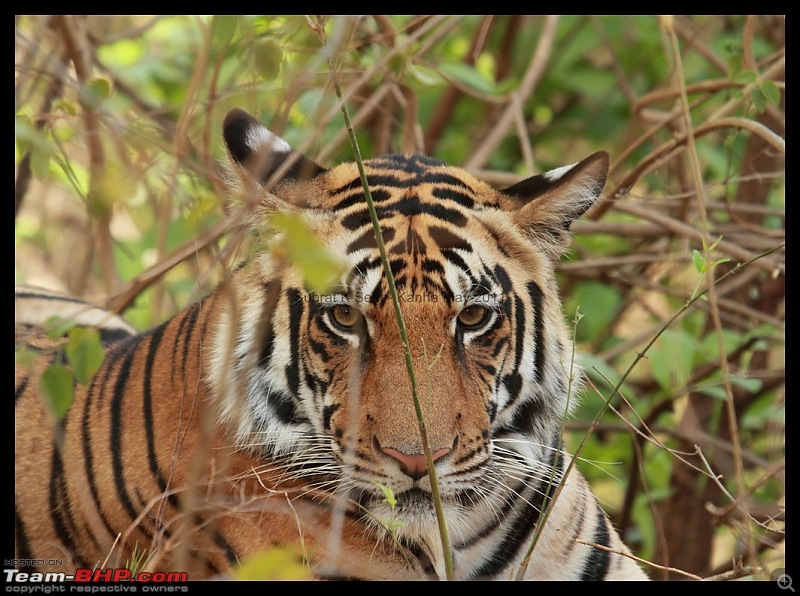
(35, 306)
(259, 137)
(556, 174)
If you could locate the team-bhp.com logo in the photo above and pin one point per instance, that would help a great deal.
(155, 581)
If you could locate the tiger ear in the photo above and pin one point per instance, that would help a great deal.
(545, 205)
(261, 153)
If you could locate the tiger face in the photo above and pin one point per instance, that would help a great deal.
(319, 382)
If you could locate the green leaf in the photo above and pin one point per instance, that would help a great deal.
(387, 492)
(771, 92)
(84, 353)
(427, 78)
(709, 346)
(223, 26)
(114, 184)
(55, 327)
(469, 76)
(40, 163)
(56, 386)
(758, 101)
(745, 77)
(97, 91)
(24, 356)
(277, 563)
(699, 261)
(599, 303)
(267, 57)
(671, 359)
(715, 391)
(746, 383)
(303, 248)
(28, 135)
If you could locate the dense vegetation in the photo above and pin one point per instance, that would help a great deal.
(676, 281)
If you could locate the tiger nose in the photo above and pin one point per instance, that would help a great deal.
(414, 465)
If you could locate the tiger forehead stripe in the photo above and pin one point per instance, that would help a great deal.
(408, 207)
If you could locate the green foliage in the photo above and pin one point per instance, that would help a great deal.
(277, 563)
(301, 247)
(84, 353)
(78, 354)
(599, 304)
(159, 87)
(394, 522)
(56, 385)
(140, 557)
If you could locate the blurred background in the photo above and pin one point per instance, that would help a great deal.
(120, 198)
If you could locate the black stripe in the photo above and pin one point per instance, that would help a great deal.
(327, 414)
(397, 266)
(272, 291)
(457, 261)
(419, 553)
(147, 408)
(365, 240)
(20, 389)
(219, 540)
(503, 279)
(295, 314)
(409, 206)
(501, 343)
(414, 163)
(193, 315)
(416, 168)
(60, 506)
(56, 298)
(445, 239)
(513, 381)
(317, 385)
(412, 205)
(98, 384)
(378, 196)
(577, 523)
(178, 336)
(528, 417)
(449, 194)
(111, 336)
(504, 513)
(374, 180)
(318, 348)
(596, 566)
(520, 527)
(536, 295)
(115, 438)
(519, 332)
(285, 407)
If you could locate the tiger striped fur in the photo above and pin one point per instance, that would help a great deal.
(265, 415)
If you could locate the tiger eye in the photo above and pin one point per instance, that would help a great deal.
(345, 316)
(473, 315)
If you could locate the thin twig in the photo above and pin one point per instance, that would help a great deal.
(387, 269)
(530, 80)
(637, 559)
(707, 242)
(73, 30)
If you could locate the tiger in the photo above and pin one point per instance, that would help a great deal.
(269, 416)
